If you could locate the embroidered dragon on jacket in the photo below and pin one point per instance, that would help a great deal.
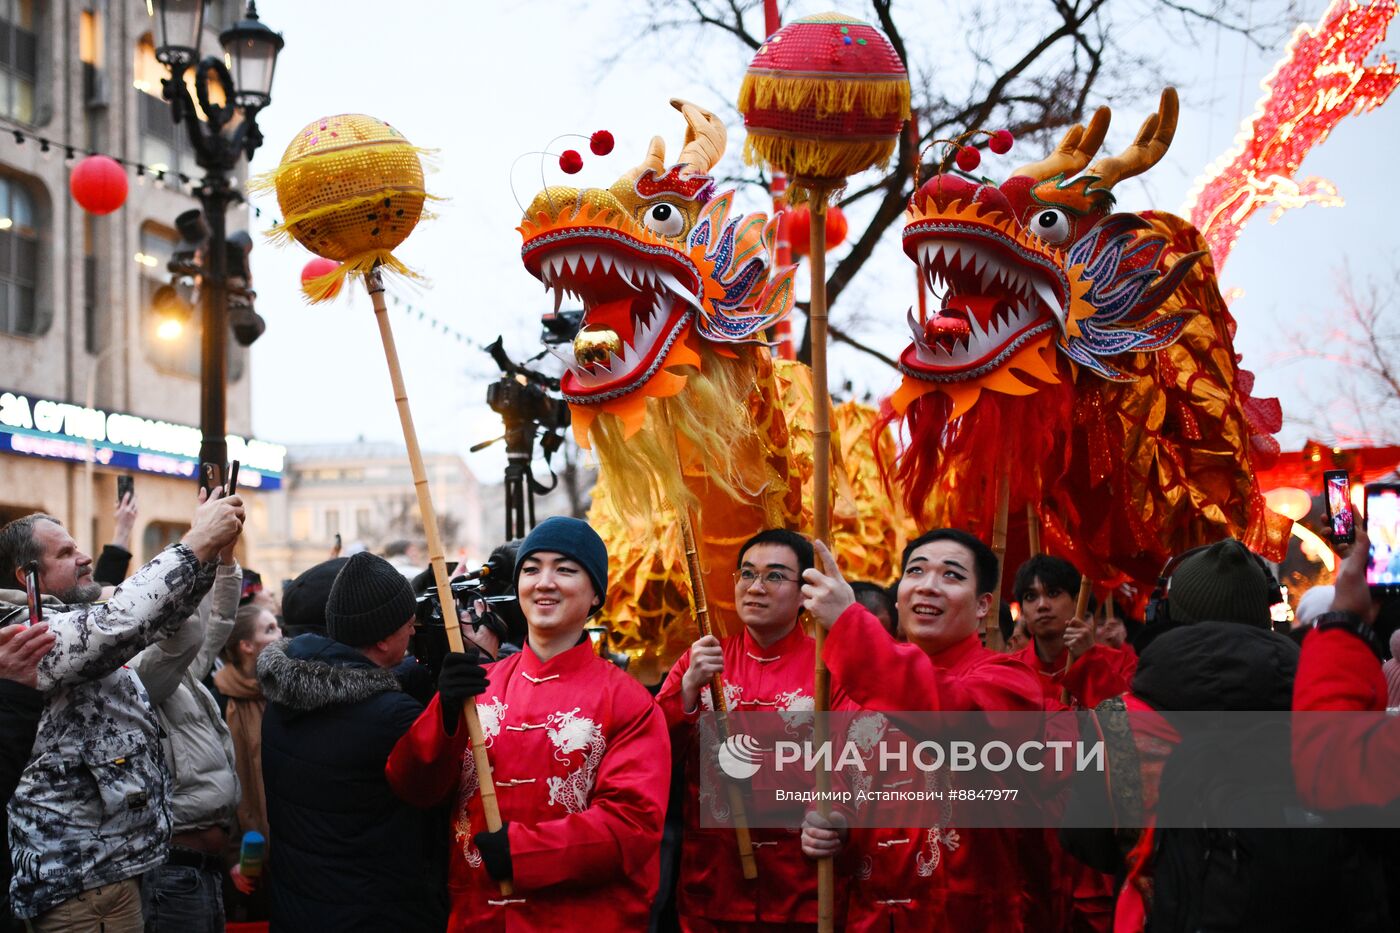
(1088, 354)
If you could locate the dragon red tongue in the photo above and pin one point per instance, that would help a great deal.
(952, 323)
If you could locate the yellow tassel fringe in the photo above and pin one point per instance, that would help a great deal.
(325, 287)
(827, 94)
(816, 160)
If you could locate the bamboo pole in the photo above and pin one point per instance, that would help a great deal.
(1033, 528)
(1086, 589)
(374, 283)
(702, 619)
(821, 516)
(992, 624)
(702, 616)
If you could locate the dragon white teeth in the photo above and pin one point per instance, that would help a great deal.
(558, 298)
(1047, 295)
(676, 288)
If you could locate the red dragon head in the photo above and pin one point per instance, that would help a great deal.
(1084, 359)
(1038, 268)
(671, 285)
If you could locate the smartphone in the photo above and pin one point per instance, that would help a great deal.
(232, 479)
(1383, 528)
(1337, 487)
(126, 486)
(31, 592)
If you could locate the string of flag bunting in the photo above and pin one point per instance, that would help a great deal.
(72, 152)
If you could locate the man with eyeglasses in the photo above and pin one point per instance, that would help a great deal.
(766, 667)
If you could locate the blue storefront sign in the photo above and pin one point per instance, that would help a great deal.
(32, 426)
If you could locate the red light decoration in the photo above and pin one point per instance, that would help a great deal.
(317, 267)
(799, 228)
(98, 184)
(1322, 78)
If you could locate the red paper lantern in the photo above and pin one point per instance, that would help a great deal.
(316, 268)
(800, 229)
(824, 98)
(570, 161)
(98, 184)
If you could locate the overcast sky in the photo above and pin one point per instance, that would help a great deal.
(484, 83)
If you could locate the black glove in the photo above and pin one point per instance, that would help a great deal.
(461, 678)
(495, 852)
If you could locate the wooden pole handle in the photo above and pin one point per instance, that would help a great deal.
(375, 285)
(821, 521)
(992, 624)
(716, 686)
(1081, 604)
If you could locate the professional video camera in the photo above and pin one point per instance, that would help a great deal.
(491, 585)
(523, 399)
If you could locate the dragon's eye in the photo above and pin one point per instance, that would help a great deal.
(664, 219)
(1051, 225)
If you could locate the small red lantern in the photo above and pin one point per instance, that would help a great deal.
(98, 184)
(317, 268)
(800, 229)
(570, 161)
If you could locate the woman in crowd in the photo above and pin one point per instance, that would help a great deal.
(254, 628)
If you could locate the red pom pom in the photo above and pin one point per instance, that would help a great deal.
(968, 158)
(98, 184)
(1001, 141)
(601, 143)
(571, 162)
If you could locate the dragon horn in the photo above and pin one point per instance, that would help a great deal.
(1075, 150)
(656, 157)
(705, 137)
(1147, 149)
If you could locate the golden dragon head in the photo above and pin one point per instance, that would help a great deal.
(664, 274)
(1037, 269)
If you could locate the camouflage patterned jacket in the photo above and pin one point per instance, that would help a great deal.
(92, 805)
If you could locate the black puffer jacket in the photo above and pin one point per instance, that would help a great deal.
(346, 854)
(1218, 666)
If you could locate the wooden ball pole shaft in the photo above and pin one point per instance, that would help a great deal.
(375, 284)
(821, 516)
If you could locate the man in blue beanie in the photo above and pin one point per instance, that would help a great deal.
(579, 756)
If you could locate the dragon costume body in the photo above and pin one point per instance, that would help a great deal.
(1088, 355)
(670, 383)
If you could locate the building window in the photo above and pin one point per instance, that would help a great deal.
(160, 535)
(18, 60)
(301, 524)
(332, 523)
(19, 259)
(362, 523)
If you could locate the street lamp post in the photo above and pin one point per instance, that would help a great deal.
(228, 132)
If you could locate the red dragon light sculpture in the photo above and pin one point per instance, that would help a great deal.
(1086, 353)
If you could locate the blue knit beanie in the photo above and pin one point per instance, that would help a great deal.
(574, 539)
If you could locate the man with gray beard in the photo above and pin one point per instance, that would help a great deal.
(91, 811)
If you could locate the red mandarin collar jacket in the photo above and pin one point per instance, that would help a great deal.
(712, 885)
(939, 877)
(581, 763)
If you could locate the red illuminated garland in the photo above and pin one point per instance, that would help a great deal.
(1322, 78)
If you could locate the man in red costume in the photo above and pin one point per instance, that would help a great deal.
(938, 877)
(767, 666)
(578, 753)
(1074, 669)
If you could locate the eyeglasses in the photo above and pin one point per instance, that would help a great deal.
(747, 576)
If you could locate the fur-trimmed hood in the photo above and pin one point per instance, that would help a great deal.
(311, 672)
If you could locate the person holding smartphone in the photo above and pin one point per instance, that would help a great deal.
(1339, 763)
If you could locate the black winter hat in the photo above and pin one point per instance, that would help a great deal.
(369, 601)
(304, 599)
(1223, 583)
(574, 539)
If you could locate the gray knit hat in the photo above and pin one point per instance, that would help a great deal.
(369, 601)
(1223, 583)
